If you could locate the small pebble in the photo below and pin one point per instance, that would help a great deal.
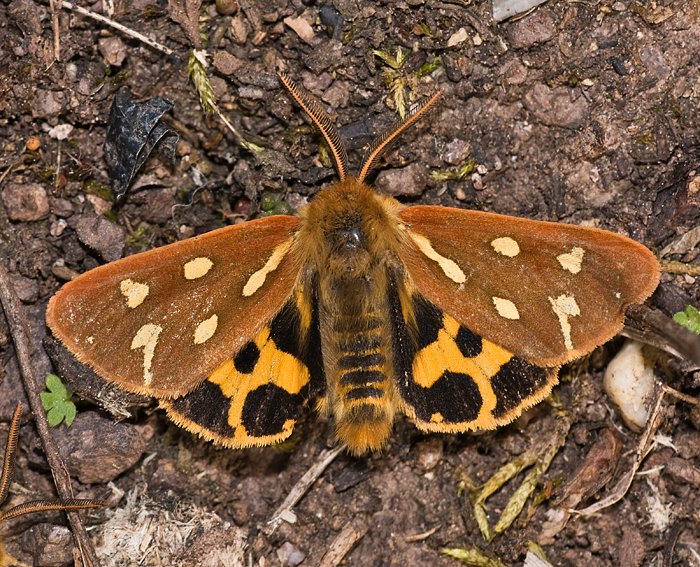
(25, 202)
(33, 143)
(227, 7)
(629, 382)
(290, 555)
(409, 180)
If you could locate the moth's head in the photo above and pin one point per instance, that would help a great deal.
(349, 224)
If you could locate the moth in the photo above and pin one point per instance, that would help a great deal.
(457, 319)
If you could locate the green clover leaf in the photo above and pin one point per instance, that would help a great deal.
(57, 402)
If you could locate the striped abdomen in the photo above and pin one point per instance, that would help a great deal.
(361, 371)
(361, 392)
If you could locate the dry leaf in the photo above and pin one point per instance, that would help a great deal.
(186, 13)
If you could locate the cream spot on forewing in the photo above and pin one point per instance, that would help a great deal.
(205, 330)
(256, 281)
(618, 295)
(197, 268)
(506, 308)
(506, 246)
(449, 267)
(565, 306)
(134, 292)
(572, 261)
(90, 340)
(147, 339)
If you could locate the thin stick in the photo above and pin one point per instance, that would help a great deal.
(13, 164)
(22, 341)
(117, 26)
(58, 168)
(423, 535)
(301, 487)
(55, 24)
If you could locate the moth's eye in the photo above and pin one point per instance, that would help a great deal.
(348, 239)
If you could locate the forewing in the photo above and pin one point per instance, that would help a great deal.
(547, 292)
(159, 322)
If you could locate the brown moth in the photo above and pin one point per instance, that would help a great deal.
(457, 319)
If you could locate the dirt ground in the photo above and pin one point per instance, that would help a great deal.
(583, 112)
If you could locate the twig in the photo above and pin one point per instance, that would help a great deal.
(117, 26)
(22, 341)
(300, 488)
(423, 535)
(240, 140)
(58, 168)
(351, 533)
(681, 396)
(56, 25)
(7, 170)
(653, 327)
(11, 166)
(670, 545)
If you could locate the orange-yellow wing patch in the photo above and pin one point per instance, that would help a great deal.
(255, 397)
(453, 380)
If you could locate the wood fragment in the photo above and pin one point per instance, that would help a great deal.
(594, 472)
(351, 533)
(670, 545)
(56, 26)
(423, 535)
(644, 447)
(653, 327)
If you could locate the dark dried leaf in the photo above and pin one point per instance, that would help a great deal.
(134, 130)
(595, 471)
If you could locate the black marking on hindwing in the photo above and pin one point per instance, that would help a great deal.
(267, 408)
(285, 329)
(516, 381)
(207, 407)
(468, 342)
(455, 396)
(428, 320)
(246, 358)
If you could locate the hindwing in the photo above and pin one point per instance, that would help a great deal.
(255, 396)
(449, 378)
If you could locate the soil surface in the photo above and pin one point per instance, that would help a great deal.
(578, 112)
